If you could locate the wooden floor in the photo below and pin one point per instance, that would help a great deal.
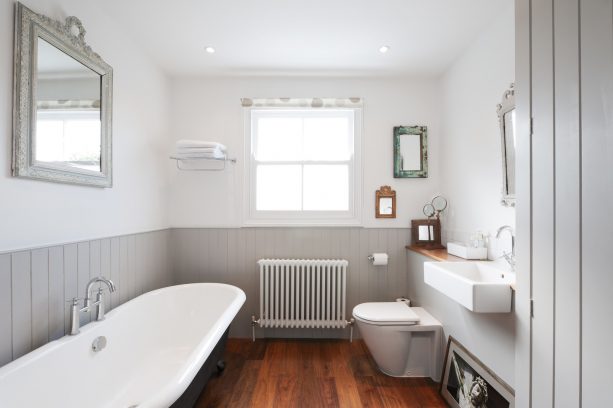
(310, 373)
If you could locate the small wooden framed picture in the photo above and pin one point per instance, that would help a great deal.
(468, 383)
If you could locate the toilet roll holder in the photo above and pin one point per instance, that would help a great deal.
(371, 258)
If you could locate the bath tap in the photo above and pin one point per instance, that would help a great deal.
(99, 299)
(509, 257)
(87, 303)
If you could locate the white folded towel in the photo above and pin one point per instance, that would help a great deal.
(187, 143)
(198, 149)
(216, 154)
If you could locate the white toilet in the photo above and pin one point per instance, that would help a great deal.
(404, 341)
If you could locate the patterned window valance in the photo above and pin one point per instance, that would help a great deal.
(69, 104)
(301, 102)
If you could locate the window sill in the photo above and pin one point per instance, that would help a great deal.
(303, 223)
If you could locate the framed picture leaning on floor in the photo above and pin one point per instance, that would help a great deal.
(468, 383)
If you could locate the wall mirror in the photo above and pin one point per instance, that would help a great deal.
(506, 121)
(385, 202)
(426, 233)
(62, 103)
(410, 152)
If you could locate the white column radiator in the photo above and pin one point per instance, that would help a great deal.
(302, 293)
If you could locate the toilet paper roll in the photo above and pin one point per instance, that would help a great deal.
(379, 259)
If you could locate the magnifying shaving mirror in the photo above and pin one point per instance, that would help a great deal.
(429, 210)
(439, 203)
(427, 233)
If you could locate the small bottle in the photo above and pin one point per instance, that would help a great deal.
(480, 240)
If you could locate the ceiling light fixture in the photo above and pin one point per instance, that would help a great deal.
(384, 49)
(210, 50)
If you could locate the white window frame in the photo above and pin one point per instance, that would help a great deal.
(353, 216)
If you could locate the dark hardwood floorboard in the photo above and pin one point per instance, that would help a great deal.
(310, 374)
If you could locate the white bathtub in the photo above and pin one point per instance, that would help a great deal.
(156, 344)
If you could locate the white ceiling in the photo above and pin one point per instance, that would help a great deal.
(311, 37)
(52, 61)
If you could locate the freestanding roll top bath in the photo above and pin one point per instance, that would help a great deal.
(152, 348)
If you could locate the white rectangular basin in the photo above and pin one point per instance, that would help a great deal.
(478, 286)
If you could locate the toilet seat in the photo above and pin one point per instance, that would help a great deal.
(386, 314)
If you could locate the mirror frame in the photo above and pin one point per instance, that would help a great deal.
(435, 242)
(28, 27)
(385, 192)
(422, 131)
(506, 105)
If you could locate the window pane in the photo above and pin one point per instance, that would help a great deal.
(82, 139)
(327, 139)
(326, 188)
(50, 140)
(278, 139)
(278, 187)
(69, 139)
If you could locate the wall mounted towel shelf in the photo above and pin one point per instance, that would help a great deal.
(181, 163)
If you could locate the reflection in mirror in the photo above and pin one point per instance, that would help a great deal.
(410, 151)
(426, 232)
(506, 121)
(68, 125)
(509, 146)
(385, 205)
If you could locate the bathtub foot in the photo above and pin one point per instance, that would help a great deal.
(221, 365)
(254, 321)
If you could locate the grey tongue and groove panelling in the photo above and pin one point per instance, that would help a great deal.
(35, 284)
(230, 256)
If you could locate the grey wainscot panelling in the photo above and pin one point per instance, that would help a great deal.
(35, 284)
(230, 256)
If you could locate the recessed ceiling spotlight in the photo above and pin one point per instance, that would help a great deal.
(210, 50)
(384, 49)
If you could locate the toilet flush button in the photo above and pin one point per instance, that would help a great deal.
(404, 300)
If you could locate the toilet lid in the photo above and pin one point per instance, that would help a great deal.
(386, 312)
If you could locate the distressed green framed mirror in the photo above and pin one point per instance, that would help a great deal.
(410, 152)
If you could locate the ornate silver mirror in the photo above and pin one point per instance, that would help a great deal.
(410, 151)
(62, 103)
(506, 120)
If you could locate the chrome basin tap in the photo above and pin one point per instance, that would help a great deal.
(509, 257)
(88, 304)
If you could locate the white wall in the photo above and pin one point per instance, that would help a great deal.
(35, 213)
(49, 89)
(471, 180)
(209, 109)
(471, 171)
